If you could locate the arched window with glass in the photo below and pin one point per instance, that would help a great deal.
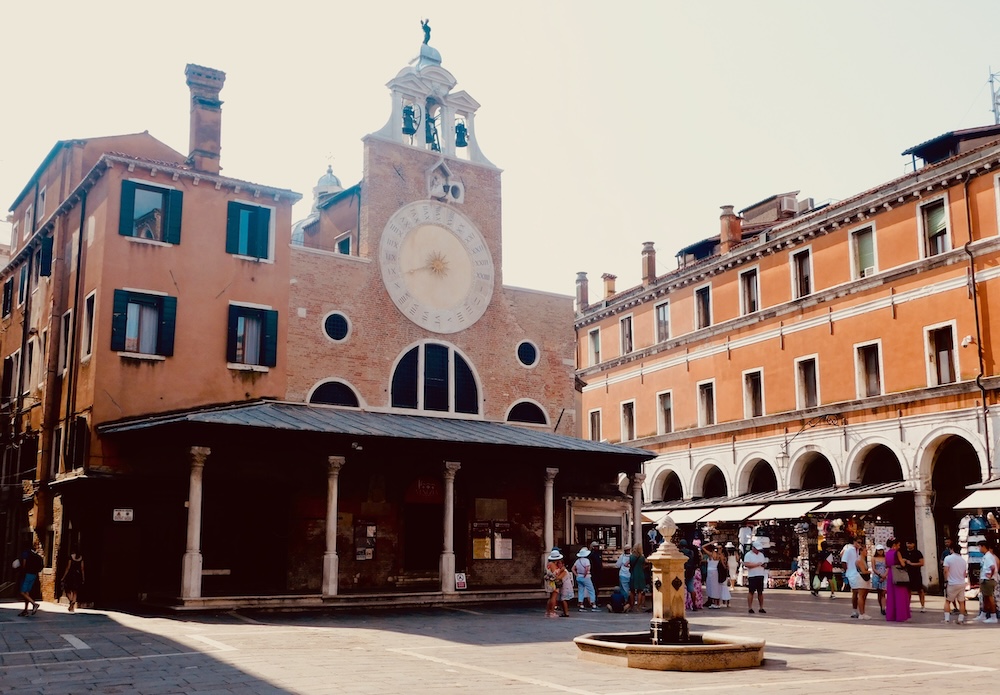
(435, 377)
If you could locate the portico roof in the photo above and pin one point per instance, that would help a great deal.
(352, 422)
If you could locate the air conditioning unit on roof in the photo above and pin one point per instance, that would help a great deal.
(788, 203)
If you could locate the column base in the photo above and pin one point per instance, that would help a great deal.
(331, 567)
(447, 567)
(191, 575)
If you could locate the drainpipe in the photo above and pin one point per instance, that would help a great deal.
(979, 332)
(69, 436)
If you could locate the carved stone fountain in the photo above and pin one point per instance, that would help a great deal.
(669, 645)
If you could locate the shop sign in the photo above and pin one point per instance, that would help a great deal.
(122, 515)
(460, 581)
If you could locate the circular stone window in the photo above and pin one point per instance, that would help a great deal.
(527, 353)
(337, 327)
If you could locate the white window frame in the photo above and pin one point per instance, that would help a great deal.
(662, 426)
(932, 357)
(271, 221)
(600, 425)
(853, 246)
(702, 420)
(349, 235)
(656, 322)
(23, 283)
(15, 358)
(15, 234)
(743, 309)
(793, 269)
(40, 210)
(624, 321)
(747, 401)
(43, 348)
(28, 220)
(921, 239)
(711, 309)
(594, 357)
(800, 390)
(89, 321)
(621, 424)
(859, 366)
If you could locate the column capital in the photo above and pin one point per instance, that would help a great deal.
(550, 474)
(335, 463)
(638, 479)
(450, 469)
(199, 454)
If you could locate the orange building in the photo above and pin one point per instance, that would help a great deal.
(839, 354)
(256, 414)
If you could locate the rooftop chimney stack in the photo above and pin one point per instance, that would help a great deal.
(582, 291)
(609, 285)
(731, 229)
(206, 117)
(648, 263)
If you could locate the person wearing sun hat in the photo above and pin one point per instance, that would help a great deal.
(552, 564)
(585, 599)
(755, 562)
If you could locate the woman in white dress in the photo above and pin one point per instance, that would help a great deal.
(713, 588)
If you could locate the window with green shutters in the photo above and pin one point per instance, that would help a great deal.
(150, 212)
(935, 225)
(253, 336)
(143, 323)
(248, 230)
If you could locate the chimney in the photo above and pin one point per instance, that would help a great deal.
(731, 229)
(582, 287)
(648, 263)
(206, 117)
(609, 284)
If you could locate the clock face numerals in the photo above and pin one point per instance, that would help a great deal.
(436, 267)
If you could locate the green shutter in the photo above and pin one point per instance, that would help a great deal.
(263, 230)
(935, 219)
(175, 204)
(233, 228)
(234, 315)
(119, 320)
(45, 262)
(126, 217)
(269, 351)
(168, 317)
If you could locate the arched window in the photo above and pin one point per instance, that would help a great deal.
(528, 412)
(433, 376)
(334, 393)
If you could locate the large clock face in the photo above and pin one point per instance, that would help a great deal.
(436, 267)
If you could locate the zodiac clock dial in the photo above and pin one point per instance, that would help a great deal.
(436, 267)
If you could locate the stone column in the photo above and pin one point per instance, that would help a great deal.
(923, 517)
(637, 481)
(448, 552)
(192, 563)
(550, 478)
(331, 565)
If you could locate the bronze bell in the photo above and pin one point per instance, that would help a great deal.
(461, 135)
(409, 120)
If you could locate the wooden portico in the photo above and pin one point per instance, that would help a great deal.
(278, 504)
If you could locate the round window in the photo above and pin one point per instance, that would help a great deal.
(527, 354)
(336, 326)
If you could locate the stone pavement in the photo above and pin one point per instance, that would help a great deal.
(812, 645)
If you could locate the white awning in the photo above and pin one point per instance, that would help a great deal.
(682, 516)
(786, 510)
(744, 511)
(981, 499)
(855, 505)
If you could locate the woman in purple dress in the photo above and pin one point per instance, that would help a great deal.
(897, 596)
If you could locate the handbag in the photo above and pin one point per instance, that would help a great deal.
(723, 572)
(900, 575)
(866, 576)
(817, 583)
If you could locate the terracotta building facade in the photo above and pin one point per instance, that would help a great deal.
(815, 352)
(261, 413)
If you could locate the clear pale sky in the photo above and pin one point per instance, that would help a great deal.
(614, 123)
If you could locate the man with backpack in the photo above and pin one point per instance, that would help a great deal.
(31, 565)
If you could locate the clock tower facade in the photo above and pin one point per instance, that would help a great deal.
(408, 312)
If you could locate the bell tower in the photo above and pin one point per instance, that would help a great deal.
(427, 114)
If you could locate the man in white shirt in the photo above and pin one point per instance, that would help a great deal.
(954, 591)
(755, 561)
(988, 573)
(849, 561)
